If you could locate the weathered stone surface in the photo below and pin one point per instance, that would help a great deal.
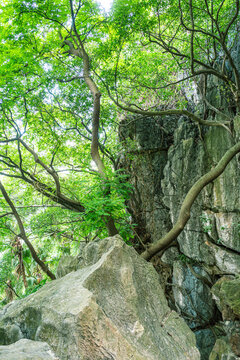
(226, 261)
(226, 292)
(232, 331)
(170, 255)
(226, 189)
(188, 159)
(27, 350)
(10, 333)
(228, 347)
(186, 163)
(162, 178)
(111, 308)
(146, 158)
(206, 339)
(66, 265)
(236, 122)
(222, 351)
(227, 227)
(235, 343)
(192, 295)
(211, 236)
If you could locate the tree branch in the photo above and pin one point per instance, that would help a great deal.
(23, 235)
(187, 113)
(96, 94)
(8, 213)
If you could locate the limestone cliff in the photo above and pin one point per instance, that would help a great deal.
(166, 157)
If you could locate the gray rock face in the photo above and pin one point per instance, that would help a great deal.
(222, 351)
(162, 174)
(211, 238)
(66, 265)
(192, 295)
(112, 307)
(170, 255)
(147, 141)
(27, 350)
(206, 339)
(211, 235)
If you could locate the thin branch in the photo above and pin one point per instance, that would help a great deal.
(187, 113)
(6, 214)
(23, 235)
(69, 80)
(10, 287)
(58, 197)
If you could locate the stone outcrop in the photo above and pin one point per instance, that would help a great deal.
(210, 242)
(111, 307)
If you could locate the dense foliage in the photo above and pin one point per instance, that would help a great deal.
(58, 57)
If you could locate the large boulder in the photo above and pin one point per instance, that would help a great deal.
(112, 307)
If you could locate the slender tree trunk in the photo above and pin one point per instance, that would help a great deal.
(96, 94)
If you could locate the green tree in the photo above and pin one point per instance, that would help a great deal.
(67, 70)
(163, 48)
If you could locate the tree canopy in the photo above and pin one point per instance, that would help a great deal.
(69, 73)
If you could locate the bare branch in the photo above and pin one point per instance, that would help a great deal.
(10, 287)
(6, 214)
(187, 113)
(44, 189)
